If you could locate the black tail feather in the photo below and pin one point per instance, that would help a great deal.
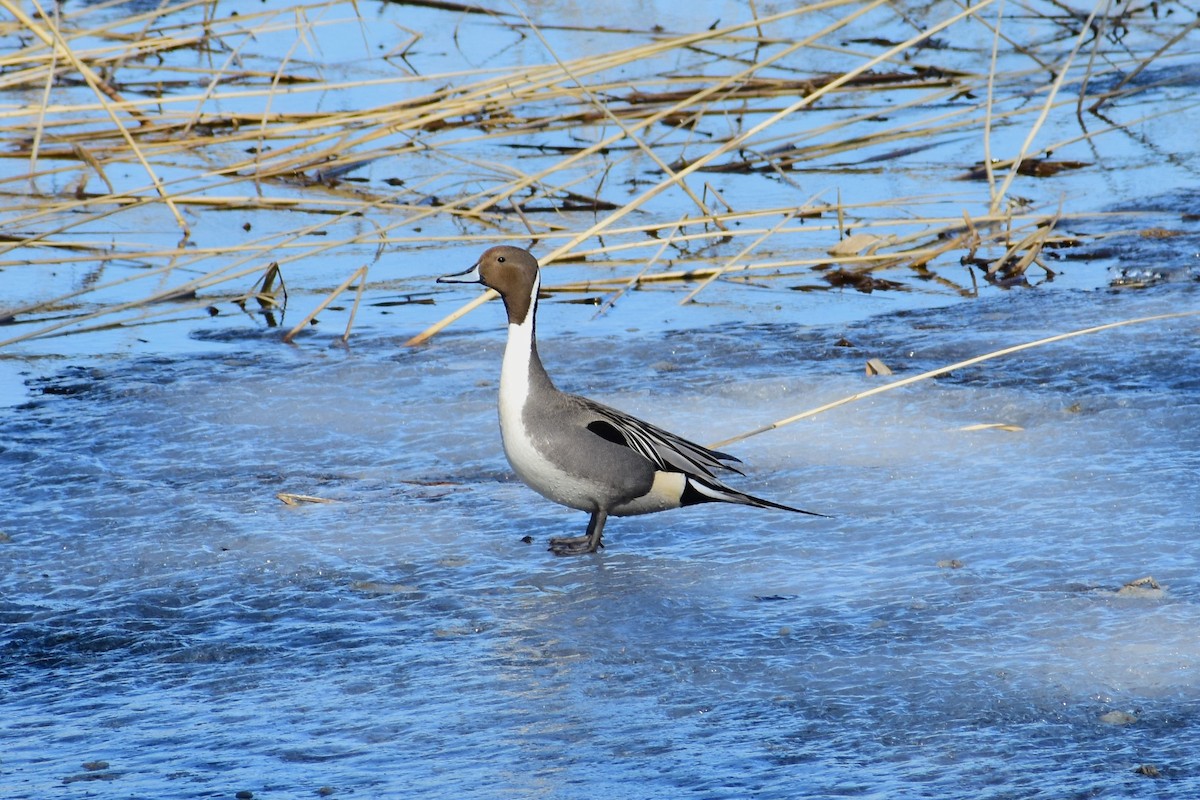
(699, 490)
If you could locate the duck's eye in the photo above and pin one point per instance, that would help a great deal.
(500, 259)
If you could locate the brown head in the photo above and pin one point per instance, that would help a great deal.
(512, 272)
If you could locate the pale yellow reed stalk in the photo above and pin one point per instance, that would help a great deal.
(933, 373)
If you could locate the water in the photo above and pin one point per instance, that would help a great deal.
(165, 614)
(958, 627)
(94, 254)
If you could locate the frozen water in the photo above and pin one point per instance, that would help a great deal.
(954, 630)
(958, 628)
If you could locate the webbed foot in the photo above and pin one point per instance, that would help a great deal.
(580, 545)
(573, 545)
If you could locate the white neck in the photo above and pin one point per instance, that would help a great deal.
(514, 371)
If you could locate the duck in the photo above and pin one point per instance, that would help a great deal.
(576, 451)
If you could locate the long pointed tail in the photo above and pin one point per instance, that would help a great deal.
(700, 490)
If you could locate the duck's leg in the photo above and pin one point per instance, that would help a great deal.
(578, 545)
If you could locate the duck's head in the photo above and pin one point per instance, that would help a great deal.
(511, 271)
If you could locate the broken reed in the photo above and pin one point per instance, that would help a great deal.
(134, 107)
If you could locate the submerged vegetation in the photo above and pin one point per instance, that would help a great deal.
(165, 162)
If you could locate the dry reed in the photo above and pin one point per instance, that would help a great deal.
(182, 112)
(933, 373)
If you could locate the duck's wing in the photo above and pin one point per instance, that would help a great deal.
(666, 450)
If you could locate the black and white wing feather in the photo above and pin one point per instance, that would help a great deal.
(663, 448)
(673, 453)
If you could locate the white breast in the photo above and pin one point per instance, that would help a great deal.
(520, 444)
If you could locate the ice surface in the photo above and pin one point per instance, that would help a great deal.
(956, 629)
(953, 630)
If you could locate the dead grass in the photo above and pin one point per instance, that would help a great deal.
(178, 112)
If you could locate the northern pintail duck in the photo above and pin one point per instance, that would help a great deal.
(578, 452)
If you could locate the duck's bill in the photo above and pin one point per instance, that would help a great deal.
(470, 276)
